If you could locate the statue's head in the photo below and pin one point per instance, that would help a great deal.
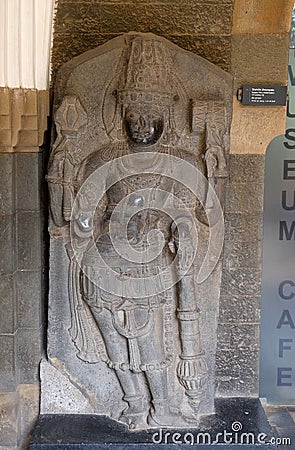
(146, 95)
(143, 125)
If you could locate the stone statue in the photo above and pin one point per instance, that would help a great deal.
(117, 200)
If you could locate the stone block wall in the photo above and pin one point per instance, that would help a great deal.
(260, 32)
(260, 42)
(200, 26)
(20, 266)
(237, 362)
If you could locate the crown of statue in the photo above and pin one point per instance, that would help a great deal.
(148, 74)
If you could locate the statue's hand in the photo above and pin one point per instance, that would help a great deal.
(185, 258)
(83, 224)
(185, 238)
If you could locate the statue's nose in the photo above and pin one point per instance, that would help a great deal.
(140, 123)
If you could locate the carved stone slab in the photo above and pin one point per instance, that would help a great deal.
(136, 179)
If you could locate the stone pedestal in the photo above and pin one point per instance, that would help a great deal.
(237, 423)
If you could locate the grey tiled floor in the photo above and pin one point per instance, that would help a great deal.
(282, 420)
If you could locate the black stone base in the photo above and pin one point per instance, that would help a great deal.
(237, 423)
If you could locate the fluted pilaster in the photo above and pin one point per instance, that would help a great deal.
(25, 42)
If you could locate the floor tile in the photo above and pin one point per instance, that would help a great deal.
(280, 419)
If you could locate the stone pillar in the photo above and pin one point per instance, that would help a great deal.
(23, 121)
(25, 38)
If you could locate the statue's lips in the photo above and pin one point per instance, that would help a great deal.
(144, 137)
(143, 134)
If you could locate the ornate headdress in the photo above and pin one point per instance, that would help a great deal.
(147, 79)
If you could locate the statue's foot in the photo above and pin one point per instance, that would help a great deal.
(167, 418)
(134, 420)
(190, 417)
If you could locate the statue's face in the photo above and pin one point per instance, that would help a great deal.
(143, 126)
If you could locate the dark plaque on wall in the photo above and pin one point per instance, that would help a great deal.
(259, 95)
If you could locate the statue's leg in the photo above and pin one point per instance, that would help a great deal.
(154, 354)
(158, 383)
(151, 345)
(161, 413)
(117, 349)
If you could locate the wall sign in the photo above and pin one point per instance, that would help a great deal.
(277, 366)
(277, 369)
(257, 95)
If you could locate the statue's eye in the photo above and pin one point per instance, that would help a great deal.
(132, 116)
(155, 118)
